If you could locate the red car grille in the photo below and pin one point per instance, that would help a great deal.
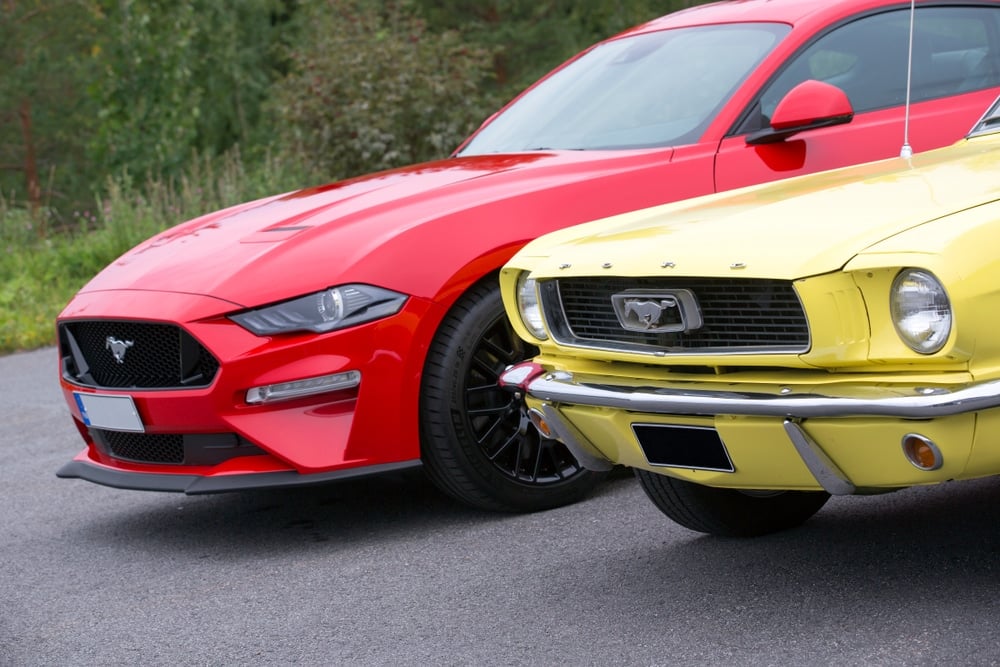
(117, 354)
(144, 447)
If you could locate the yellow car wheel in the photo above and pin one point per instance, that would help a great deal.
(729, 512)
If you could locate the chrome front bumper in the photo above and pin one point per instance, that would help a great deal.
(915, 402)
(902, 402)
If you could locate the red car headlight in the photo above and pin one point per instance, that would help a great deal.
(333, 308)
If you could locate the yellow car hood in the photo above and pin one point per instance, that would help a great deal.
(790, 229)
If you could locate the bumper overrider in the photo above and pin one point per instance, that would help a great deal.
(837, 434)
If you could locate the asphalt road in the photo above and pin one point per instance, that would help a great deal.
(388, 572)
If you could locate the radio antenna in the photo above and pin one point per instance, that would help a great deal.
(907, 151)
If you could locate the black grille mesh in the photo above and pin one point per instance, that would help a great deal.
(738, 314)
(160, 355)
(197, 449)
(145, 447)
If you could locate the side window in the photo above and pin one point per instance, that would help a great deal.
(955, 50)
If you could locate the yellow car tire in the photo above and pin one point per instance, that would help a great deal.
(729, 512)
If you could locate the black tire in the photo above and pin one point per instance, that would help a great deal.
(476, 443)
(729, 512)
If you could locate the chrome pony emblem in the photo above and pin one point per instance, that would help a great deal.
(118, 347)
(667, 311)
(649, 313)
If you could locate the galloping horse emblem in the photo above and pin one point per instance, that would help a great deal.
(118, 348)
(649, 312)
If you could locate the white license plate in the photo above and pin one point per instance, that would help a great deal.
(115, 413)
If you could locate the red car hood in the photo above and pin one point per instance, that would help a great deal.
(307, 240)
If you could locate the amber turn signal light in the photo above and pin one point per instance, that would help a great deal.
(538, 420)
(922, 452)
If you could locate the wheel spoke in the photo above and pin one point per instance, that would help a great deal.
(545, 452)
(519, 456)
(482, 388)
(537, 470)
(484, 436)
(483, 412)
(487, 369)
(511, 439)
(505, 354)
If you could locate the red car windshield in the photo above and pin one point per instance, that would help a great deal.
(655, 89)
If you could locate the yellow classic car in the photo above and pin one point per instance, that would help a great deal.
(749, 354)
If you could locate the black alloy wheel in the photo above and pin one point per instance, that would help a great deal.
(477, 442)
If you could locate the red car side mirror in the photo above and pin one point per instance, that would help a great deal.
(811, 104)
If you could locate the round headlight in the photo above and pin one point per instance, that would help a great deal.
(920, 310)
(528, 306)
(330, 305)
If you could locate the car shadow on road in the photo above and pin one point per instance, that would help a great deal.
(385, 509)
(906, 559)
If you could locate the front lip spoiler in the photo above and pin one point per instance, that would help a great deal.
(905, 402)
(200, 484)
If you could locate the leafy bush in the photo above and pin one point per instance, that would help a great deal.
(39, 276)
(180, 77)
(372, 88)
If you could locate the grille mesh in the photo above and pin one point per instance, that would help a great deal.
(160, 355)
(145, 447)
(198, 449)
(738, 315)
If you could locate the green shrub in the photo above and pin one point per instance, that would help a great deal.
(372, 88)
(39, 276)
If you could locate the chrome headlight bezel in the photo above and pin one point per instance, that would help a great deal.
(529, 308)
(320, 312)
(920, 310)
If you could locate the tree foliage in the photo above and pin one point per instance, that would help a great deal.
(372, 87)
(94, 89)
(530, 37)
(181, 78)
(47, 64)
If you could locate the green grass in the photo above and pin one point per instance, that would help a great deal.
(38, 276)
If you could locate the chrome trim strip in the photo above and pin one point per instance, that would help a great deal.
(826, 472)
(592, 345)
(912, 402)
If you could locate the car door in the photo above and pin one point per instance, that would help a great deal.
(955, 75)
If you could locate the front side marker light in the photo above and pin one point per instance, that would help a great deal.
(538, 420)
(921, 452)
(283, 391)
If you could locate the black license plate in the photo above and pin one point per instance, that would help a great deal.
(698, 447)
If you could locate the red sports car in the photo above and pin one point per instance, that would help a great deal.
(357, 328)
